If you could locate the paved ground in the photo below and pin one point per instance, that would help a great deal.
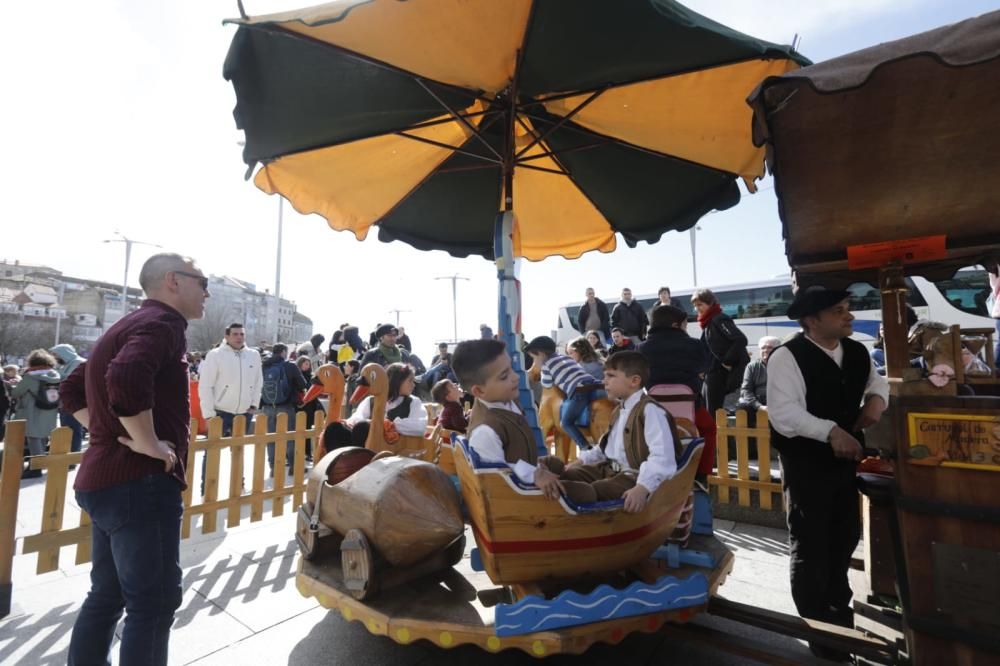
(241, 606)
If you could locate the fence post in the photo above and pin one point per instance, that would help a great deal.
(10, 488)
(722, 452)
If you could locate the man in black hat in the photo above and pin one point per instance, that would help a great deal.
(386, 352)
(822, 391)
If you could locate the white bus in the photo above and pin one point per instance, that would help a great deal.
(759, 308)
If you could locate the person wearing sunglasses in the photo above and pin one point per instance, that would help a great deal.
(132, 394)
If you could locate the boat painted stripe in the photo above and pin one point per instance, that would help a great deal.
(582, 543)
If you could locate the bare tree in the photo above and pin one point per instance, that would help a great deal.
(205, 333)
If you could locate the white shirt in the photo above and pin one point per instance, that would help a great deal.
(485, 441)
(414, 424)
(786, 394)
(661, 463)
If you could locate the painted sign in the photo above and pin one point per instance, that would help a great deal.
(955, 440)
(908, 251)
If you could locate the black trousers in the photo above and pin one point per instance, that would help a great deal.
(824, 526)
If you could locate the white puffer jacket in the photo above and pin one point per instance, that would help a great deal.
(229, 380)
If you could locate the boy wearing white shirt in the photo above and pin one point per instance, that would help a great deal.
(641, 448)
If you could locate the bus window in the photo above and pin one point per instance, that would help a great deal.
(755, 303)
(968, 291)
(866, 296)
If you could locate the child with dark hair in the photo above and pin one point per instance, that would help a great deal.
(403, 409)
(568, 376)
(447, 394)
(639, 452)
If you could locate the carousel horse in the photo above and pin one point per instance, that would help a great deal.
(549, 411)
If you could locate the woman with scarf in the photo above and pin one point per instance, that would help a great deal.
(727, 348)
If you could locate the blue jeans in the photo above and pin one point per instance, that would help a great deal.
(571, 410)
(135, 567)
(227, 431)
(272, 423)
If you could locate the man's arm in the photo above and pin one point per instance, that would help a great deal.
(748, 396)
(208, 374)
(73, 395)
(616, 316)
(258, 385)
(142, 439)
(876, 399)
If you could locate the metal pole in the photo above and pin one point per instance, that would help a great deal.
(59, 300)
(694, 257)
(277, 270)
(128, 257)
(454, 301)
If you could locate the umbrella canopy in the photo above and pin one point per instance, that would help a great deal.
(427, 117)
(895, 142)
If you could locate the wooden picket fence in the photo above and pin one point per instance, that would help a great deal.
(52, 536)
(744, 482)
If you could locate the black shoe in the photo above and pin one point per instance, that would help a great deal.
(31, 474)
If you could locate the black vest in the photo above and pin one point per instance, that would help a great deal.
(400, 411)
(832, 393)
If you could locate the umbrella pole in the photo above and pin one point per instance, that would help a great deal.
(509, 316)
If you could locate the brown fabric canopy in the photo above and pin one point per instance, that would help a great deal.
(894, 142)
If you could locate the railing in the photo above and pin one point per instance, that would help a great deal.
(52, 537)
(744, 481)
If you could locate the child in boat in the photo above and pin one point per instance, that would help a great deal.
(498, 431)
(579, 386)
(639, 452)
(447, 394)
(403, 409)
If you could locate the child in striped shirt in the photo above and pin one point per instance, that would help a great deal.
(569, 377)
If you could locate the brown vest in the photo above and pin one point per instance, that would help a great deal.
(511, 427)
(634, 434)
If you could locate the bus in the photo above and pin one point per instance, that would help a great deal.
(759, 308)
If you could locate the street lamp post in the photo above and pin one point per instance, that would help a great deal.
(129, 242)
(397, 311)
(454, 301)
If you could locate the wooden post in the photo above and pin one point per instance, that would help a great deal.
(742, 457)
(722, 451)
(236, 470)
(10, 488)
(209, 521)
(895, 330)
(259, 463)
(764, 458)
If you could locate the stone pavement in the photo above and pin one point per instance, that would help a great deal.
(241, 606)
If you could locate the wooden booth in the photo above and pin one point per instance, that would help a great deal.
(886, 164)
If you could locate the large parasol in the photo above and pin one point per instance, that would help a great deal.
(513, 128)
(585, 118)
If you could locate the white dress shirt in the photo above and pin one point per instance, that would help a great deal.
(485, 441)
(414, 424)
(786, 394)
(661, 463)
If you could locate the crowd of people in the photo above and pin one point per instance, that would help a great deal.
(820, 388)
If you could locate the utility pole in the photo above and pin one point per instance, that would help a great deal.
(277, 269)
(129, 242)
(397, 311)
(59, 301)
(454, 300)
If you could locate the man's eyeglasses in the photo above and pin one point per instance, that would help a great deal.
(202, 280)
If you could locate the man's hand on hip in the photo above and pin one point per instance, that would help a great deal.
(159, 449)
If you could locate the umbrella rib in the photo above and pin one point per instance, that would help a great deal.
(441, 121)
(545, 169)
(551, 153)
(568, 116)
(441, 144)
(610, 139)
(457, 116)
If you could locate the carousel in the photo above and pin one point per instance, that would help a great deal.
(520, 130)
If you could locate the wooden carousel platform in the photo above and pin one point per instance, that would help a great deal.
(445, 608)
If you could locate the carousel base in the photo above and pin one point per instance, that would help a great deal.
(445, 608)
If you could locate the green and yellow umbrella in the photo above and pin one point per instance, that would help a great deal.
(425, 118)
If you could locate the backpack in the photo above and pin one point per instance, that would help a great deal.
(47, 396)
(276, 389)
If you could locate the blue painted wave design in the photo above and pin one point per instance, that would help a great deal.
(570, 608)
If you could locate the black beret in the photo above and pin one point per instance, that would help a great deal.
(385, 329)
(542, 343)
(815, 299)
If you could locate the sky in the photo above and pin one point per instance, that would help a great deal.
(116, 118)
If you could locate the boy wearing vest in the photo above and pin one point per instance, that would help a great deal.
(640, 450)
(579, 386)
(498, 431)
(822, 391)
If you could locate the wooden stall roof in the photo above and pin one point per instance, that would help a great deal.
(894, 142)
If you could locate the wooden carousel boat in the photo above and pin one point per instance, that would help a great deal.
(524, 537)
